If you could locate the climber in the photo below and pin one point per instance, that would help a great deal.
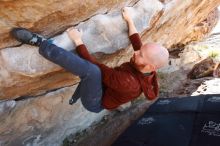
(102, 87)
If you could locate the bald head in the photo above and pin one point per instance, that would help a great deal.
(155, 54)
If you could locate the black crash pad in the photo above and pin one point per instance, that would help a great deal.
(186, 121)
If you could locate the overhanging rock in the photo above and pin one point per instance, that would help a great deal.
(24, 71)
(101, 33)
(48, 119)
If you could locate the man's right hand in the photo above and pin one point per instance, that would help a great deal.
(75, 35)
(126, 15)
(131, 27)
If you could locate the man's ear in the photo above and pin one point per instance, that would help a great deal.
(151, 67)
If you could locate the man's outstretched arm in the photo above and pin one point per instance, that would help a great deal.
(132, 31)
(76, 37)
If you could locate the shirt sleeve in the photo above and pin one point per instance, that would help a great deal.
(107, 72)
(135, 41)
(110, 76)
(84, 53)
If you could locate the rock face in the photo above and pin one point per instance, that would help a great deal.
(198, 59)
(20, 63)
(182, 22)
(50, 17)
(43, 120)
(37, 118)
(202, 69)
(23, 70)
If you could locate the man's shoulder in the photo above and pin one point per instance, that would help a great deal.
(128, 68)
(126, 65)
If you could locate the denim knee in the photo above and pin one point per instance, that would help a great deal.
(93, 88)
(94, 72)
(95, 109)
(93, 103)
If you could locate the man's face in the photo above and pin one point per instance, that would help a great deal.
(140, 61)
(150, 57)
(138, 58)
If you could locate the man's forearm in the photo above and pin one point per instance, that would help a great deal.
(75, 35)
(78, 42)
(131, 27)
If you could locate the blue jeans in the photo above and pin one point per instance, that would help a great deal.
(90, 86)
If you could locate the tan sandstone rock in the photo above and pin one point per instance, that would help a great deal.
(44, 120)
(23, 70)
(182, 22)
(204, 68)
(48, 119)
(51, 16)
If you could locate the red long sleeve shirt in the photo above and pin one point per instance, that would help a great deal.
(123, 83)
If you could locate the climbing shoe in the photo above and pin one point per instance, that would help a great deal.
(25, 36)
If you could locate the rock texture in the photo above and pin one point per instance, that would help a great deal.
(20, 63)
(202, 69)
(188, 21)
(106, 135)
(43, 120)
(37, 118)
(182, 63)
(50, 17)
(23, 70)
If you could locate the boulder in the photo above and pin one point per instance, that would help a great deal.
(204, 68)
(24, 72)
(34, 92)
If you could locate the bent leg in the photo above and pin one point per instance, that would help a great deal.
(90, 89)
(68, 60)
